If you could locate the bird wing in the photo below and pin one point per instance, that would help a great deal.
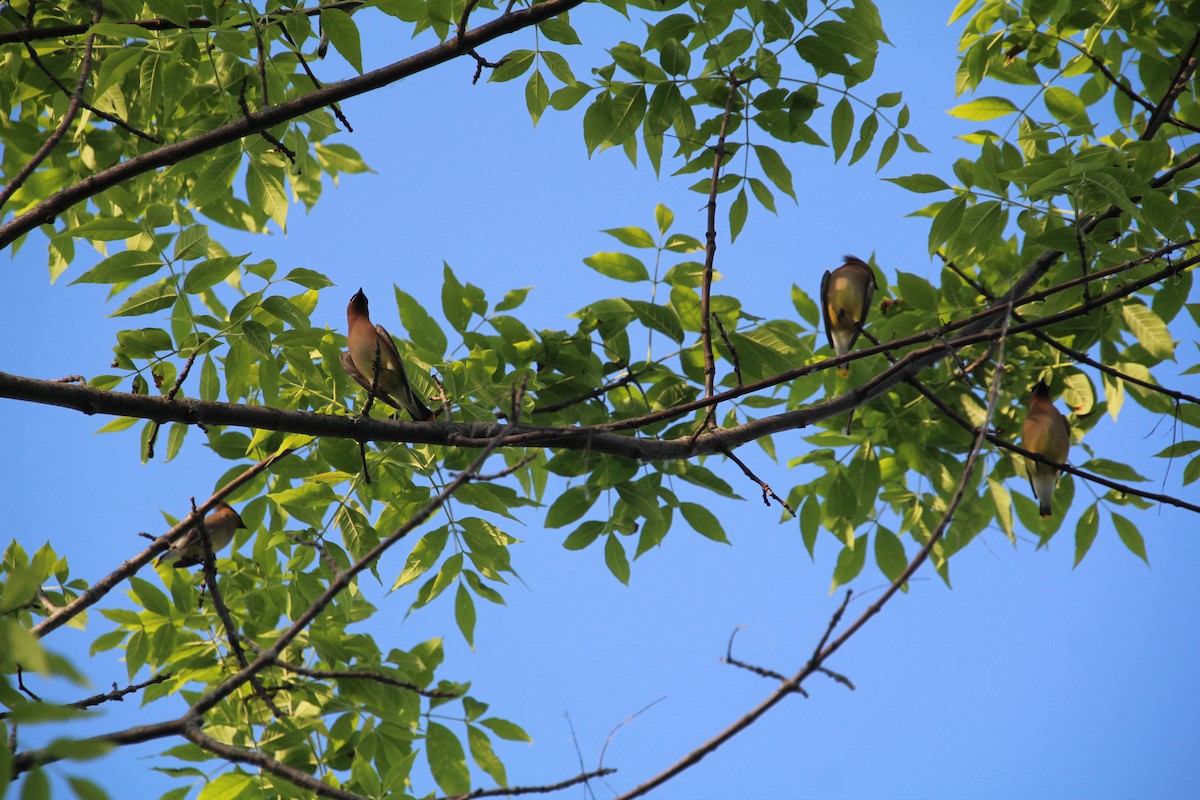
(380, 394)
(825, 309)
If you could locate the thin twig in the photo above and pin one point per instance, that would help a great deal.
(334, 107)
(21, 685)
(768, 494)
(264, 133)
(356, 674)
(1187, 66)
(710, 254)
(187, 367)
(733, 354)
(104, 115)
(548, 789)
(218, 602)
(73, 107)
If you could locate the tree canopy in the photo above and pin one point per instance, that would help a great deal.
(157, 134)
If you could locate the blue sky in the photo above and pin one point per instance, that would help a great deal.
(1028, 679)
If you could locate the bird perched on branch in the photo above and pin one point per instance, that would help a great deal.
(846, 294)
(371, 344)
(1047, 433)
(188, 550)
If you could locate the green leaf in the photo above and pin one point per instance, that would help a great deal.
(841, 127)
(984, 109)
(631, 236)
(663, 217)
(615, 559)
(946, 222)
(211, 272)
(917, 292)
(285, 311)
(1085, 532)
(537, 96)
(424, 332)
(774, 168)
(850, 562)
(889, 554)
(35, 786)
(464, 614)
(663, 319)
(124, 267)
(703, 522)
(153, 298)
(85, 789)
(264, 189)
(509, 731)
(106, 229)
(570, 506)
(558, 29)
(1130, 536)
(343, 35)
(308, 278)
(621, 266)
(512, 66)
(584, 535)
(192, 243)
(454, 300)
(483, 755)
(1149, 329)
(737, 214)
(1066, 107)
(810, 523)
(422, 557)
(513, 298)
(920, 183)
(446, 760)
(228, 786)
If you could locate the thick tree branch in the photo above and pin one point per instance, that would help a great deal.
(602, 438)
(263, 119)
(27, 760)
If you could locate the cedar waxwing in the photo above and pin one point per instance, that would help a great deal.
(846, 294)
(188, 550)
(1047, 433)
(368, 342)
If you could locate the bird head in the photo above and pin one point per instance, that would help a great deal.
(358, 304)
(225, 509)
(1041, 390)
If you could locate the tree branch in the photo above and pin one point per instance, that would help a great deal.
(72, 109)
(710, 254)
(824, 652)
(106, 584)
(263, 119)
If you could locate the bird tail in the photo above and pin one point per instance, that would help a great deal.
(1043, 490)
